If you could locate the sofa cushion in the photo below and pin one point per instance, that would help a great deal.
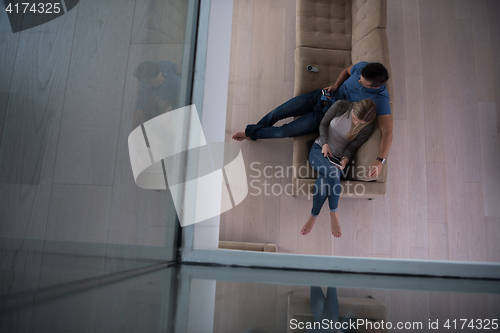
(367, 15)
(324, 24)
(329, 62)
(350, 188)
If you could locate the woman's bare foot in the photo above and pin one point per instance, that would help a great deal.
(308, 226)
(240, 136)
(336, 231)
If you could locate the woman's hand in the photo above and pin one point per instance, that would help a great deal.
(326, 150)
(344, 162)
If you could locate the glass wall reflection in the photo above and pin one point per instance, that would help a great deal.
(71, 92)
(201, 299)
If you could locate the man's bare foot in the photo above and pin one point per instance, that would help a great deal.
(240, 136)
(336, 231)
(308, 226)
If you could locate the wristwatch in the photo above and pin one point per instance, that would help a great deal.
(383, 160)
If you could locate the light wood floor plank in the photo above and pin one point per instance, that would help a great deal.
(363, 241)
(420, 309)
(431, 84)
(491, 158)
(478, 306)
(459, 306)
(233, 220)
(474, 214)
(494, 305)
(492, 229)
(229, 316)
(416, 168)
(461, 9)
(483, 58)
(420, 253)
(381, 231)
(290, 222)
(411, 33)
(396, 42)
(455, 204)
(479, 20)
(242, 52)
(468, 103)
(448, 50)
(438, 241)
(89, 135)
(439, 307)
(400, 211)
(232, 68)
(270, 207)
(275, 65)
(436, 192)
(400, 306)
(494, 26)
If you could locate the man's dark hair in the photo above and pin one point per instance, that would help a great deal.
(376, 73)
(146, 71)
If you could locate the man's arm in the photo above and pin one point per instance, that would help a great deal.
(344, 75)
(385, 122)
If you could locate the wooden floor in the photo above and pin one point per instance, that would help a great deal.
(443, 198)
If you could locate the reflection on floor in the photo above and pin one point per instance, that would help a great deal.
(263, 307)
(140, 304)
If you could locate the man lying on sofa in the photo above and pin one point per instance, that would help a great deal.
(360, 81)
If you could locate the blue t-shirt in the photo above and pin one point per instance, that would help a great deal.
(353, 91)
(169, 89)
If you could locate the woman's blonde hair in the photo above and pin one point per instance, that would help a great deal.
(364, 110)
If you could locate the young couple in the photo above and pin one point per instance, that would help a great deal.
(345, 122)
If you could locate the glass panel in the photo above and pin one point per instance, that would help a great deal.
(253, 300)
(72, 89)
(140, 304)
(252, 307)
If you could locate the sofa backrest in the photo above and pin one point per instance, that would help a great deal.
(369, 39)
(324, 24)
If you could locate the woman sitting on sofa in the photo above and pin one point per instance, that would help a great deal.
(345, 127)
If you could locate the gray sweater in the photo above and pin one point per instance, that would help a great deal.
(336, 110)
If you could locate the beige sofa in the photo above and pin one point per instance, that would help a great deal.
(332, 35)
(299, 311)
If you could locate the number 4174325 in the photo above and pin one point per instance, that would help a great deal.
(36, 8)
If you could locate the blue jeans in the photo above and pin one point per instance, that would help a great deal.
(324, 307)
(309, 106)
(328, 181)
